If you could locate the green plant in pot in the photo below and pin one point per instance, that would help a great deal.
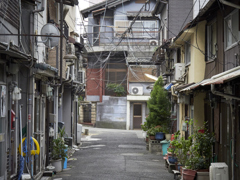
(159, 133)
(144, 128)
(151, 133)
(58, 151)
(200, 153)
(201, 150)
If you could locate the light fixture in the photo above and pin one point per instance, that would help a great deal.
(151, 76)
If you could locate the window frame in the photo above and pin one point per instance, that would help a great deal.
(145, 34)
(210, 34)
(231, 29)
(187, 49)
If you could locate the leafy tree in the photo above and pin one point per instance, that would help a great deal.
(159, 105)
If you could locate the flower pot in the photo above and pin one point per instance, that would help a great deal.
(147, 139)
(172, 160)
(152, 137)
(189, 174)
(159, 136)
(168, 137)
(57, 164)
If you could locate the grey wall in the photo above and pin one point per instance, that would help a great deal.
(111, 113)
(66, 111)
(178, 12)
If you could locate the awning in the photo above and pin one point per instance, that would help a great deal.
(189, 88)
(180, 87)
(168, 86)
(218, 79)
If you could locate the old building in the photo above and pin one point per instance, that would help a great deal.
(121, 38)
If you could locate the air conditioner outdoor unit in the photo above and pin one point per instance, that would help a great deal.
(136, 90)
(179, 71)
(218, 171)
(153, 42)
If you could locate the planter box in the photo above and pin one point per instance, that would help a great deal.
(155, 146)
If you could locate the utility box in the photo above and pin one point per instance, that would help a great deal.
(179, 71)
(79, 133)
(218, 171)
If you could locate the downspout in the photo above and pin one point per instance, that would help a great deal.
(20, 25)
(229, 4)
(230, 97)
(30, 95)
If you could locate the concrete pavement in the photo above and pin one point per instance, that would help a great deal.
(109, 154)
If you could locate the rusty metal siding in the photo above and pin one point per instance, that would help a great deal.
(216, 66)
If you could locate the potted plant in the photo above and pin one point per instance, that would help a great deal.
(144, 128)
(159, 133)
(200, 154)
(151, 133)
(58, 152)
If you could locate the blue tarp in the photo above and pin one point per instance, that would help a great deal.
(168, 86)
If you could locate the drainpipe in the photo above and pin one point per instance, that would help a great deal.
(229, 4)
(31, 84)
(230, 97)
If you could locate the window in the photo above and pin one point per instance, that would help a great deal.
(187, 52)
(231, 29)
(120, 27)
(81, 76)
(212, 40)
(178, 55)
(144, 29)
(96, 36)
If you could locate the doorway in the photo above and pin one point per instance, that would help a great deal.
(137, 116)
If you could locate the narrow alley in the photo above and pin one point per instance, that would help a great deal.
(114, 154)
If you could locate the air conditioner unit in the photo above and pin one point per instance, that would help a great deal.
(153, 42)
(179, 71)
(218, 171)
(136, 90)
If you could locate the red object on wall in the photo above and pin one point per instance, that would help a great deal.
(201, 130)
(13, 119)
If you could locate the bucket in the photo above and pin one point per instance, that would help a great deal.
(165, 145)
(65, 161)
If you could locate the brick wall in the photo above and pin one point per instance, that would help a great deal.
(52, 56)
(94, 84)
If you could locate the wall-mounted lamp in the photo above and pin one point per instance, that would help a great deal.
(151, 76)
